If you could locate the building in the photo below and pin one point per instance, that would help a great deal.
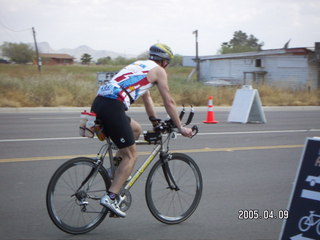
(56, 59)
(291, 68)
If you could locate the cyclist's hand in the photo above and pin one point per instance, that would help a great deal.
(186, 132)
(154, 121)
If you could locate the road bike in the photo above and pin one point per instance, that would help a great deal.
(173, 187)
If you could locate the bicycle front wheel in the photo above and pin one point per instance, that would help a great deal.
(73, 195)
(174, 205)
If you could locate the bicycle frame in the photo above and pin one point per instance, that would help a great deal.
(160, 147)
(312, 220)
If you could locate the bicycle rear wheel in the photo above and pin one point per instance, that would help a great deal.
(169, 205)
(72, 208)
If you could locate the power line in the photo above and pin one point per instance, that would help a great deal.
(11, 35)
(12, 30)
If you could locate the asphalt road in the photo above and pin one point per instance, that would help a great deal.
(244, 167)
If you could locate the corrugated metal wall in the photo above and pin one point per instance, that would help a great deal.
(293, 71)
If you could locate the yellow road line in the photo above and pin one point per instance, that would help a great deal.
(4, 160)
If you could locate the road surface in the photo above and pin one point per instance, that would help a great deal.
(245, 167)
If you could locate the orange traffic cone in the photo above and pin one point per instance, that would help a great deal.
(210, 113)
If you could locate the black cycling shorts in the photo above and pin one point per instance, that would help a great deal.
(115, 121)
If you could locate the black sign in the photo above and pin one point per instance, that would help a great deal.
(303, 222)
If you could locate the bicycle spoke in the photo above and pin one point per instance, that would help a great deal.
(174, 205)
(76, 210)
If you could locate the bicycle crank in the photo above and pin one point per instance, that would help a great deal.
(125, 200)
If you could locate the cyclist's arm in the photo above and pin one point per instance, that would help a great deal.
(159, 76)
(148, 104)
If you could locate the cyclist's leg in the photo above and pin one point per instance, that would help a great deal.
(136, 128)
(117, 125)
(129, 158)
(122, 173)
(129, 130)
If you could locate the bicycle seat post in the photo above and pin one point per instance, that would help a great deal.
(110, 148)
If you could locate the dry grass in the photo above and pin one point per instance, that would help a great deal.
(23, 86)
(272, 96)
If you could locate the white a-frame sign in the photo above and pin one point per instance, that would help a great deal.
(246, 106)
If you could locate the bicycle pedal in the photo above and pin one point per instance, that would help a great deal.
(84, 203)
(112, 215)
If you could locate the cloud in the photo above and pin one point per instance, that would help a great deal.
(129, 26)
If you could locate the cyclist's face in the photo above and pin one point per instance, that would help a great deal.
(165, 64)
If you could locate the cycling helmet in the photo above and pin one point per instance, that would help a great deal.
(160, 52)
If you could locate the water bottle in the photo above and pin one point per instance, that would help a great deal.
(83, 121)
(89, 132)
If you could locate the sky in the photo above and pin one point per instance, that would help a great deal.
(131, 26)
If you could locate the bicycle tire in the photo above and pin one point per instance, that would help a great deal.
(174, 206)
(62, 199)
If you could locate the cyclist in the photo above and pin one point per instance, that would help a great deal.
(116, 96)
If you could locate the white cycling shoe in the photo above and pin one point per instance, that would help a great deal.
(112, 205)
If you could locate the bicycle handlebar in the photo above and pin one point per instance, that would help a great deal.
(182, 113)
(191, 114)
(168, 126)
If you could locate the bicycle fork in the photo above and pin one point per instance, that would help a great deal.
(172, 185)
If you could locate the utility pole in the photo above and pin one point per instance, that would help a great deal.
(37, 52)
(197, 56)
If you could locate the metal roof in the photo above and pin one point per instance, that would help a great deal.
(291, 51)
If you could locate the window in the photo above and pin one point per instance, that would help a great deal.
(258, 62)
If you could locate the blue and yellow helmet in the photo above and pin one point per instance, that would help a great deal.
(160, 52)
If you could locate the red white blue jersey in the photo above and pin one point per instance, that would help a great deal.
(131, 80)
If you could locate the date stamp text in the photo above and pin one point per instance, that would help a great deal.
(255, 214)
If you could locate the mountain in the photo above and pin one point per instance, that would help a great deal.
(44, 47)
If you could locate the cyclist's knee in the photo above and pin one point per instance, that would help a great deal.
(129, 153)
(136, 128)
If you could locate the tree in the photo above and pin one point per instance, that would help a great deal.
(18, 53)
(104, 61)
(176, 61)
(123, 61)
(241, 42)
(144, 55)
(86, 58)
